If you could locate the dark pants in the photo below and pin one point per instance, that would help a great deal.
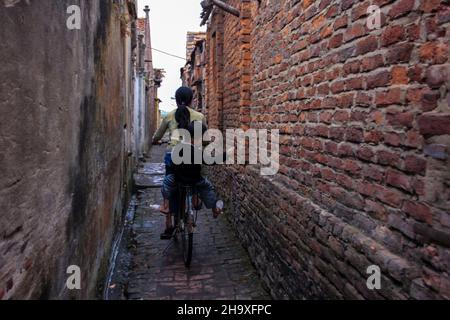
(168, 163)
(203, 188)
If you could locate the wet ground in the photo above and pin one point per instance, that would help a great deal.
(145, 268)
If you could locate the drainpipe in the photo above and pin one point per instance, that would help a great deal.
(208, 6)
(226, 7)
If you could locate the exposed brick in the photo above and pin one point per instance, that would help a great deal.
(354, 134)
(414, 139)
(340, 22)
(336, 40)
(418, 211)
(345, 150)
(400, 8)
(434, 124)
(355, 105)
(391, 96)
(415, 73)
(404, 226)
(341, 116)
(443, 15)
(365, 153)
(366, 45)
(415, 164)
(398, 180)
(413, 32)
(419, 187)
(337, 86)
(435, 52)
(388, 158)
(399, 75)
(379, 79)
(399, 53)
(376, 210)
(393, 139)
(415, 95)
(363, 99)
(346, 4)
(392, 34)
(438, 75)
(360, 11)
(373, 173)
(356, 83)
(373, 136)
(401, 119)
(352, 67)
(430, 101)
(372, 62)
(388, 196)
(429, 5)
(351, 166)
(357, 30)
(337, 133)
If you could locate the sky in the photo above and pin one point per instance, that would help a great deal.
(170, 20)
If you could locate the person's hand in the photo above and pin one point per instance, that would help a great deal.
(157, 143)
(218, 210)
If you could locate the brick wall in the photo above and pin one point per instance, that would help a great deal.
(364, 117)
(193, 74)
(214, 72)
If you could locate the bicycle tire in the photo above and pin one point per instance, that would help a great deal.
(188, 244)
(187, 236)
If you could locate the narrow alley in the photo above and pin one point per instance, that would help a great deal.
(333, 116)
(146, 268)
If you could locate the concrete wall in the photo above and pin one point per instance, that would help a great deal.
(65, 136)
(140, 114)
(365, 140)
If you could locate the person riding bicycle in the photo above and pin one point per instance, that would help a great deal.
(181, 118)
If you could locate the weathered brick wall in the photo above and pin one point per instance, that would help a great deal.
(364, 117)
(64, 167)
(214, 71)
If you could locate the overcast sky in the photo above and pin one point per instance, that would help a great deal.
(170, 20)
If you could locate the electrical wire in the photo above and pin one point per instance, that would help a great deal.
(169, 54)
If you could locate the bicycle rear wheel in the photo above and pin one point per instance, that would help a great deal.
(187, 240)
(186, 234)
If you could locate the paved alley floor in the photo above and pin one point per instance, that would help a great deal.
(221, 268)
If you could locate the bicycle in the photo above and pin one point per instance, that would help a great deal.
(185, 222)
